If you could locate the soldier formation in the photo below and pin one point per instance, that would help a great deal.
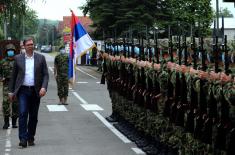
(177, 100)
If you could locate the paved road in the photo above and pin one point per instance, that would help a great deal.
(76, 129)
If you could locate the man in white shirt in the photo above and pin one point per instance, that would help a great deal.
(28, 83)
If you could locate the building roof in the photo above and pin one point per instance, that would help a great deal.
(229, 23)
(85, 21)
(60, 26)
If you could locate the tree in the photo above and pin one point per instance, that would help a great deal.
(18, 16)
(26, 26)
(189, 12)
(47, 34)
(225, 12)
(116, 16)
(10, 10)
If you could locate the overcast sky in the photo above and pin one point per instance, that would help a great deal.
(56, 9)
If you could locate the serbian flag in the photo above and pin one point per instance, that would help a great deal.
(80, 43)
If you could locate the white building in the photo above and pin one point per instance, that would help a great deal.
(229, 27)
(99, 44)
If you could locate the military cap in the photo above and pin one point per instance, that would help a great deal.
(10, 46)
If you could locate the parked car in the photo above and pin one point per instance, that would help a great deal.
(43, 48)
(46, 48)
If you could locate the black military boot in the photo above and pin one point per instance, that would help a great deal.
(112, 118)
(6, 122)
(14, 121)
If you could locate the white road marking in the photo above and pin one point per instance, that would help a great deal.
(94, 107)
(137, 150)
(56, 108)
(86, 73)
(51, 69)
(7, 150)
(112, 128)
(80, 98)
(8, 142)
(81, 82)
(91, 107)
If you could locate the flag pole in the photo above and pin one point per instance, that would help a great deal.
(81, 42)
(72, 81)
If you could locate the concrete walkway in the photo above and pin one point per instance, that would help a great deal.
(79, 128)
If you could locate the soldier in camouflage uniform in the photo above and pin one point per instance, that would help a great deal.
(61, 74)
(9, 108)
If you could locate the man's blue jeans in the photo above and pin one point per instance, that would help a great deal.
(28, 112)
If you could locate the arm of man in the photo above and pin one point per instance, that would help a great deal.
(45, 78)
(1, 70)
(55, 71)
(55, 67)
(12, 82)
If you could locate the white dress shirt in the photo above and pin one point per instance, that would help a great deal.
(29, 71)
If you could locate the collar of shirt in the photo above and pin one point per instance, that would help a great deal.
(27, 57)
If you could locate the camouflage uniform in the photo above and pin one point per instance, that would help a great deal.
(9, 108)
(229, 94)
(61, 64)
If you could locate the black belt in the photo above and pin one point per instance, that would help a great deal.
(28, 87)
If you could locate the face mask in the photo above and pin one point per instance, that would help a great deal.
(10, 53)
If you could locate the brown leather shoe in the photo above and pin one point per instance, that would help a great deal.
(31, 142)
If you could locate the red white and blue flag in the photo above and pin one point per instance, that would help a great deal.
(80, 43)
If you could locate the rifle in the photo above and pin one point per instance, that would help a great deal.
(224, 48)
(125, 53)
(194, 52)
(156, 54)
(177, 89)
(170, 90)
(132, 49)
(185, 51)
(189, 125)
(179, 50)
(170, 45)
(201, 48)
(203, 122)
(203, 100)
(105, 47)
(216, 54)
(183, 92)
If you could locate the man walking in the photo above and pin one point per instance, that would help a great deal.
(61, 75)
(28, 83)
